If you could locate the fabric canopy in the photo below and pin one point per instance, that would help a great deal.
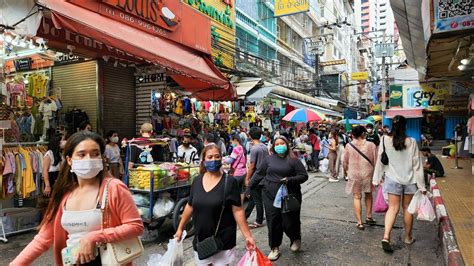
(244, 85)
(195, 72)
(407, 113)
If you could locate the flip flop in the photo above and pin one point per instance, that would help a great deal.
(370, 221)
(387, 247)
(255, 225)
(360, 227)
(410, 242)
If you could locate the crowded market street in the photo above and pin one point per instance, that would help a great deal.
(329, 236)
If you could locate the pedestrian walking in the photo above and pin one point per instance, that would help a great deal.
(216, 209)
(403, 177)
(112, 154)
(316, 143)
(258, 153)
(359, 161)
(342, 140)
(281, 167)
(332, 156)
(238, 162)
(74, 216)
(372, 136)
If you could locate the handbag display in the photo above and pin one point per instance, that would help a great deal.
(384, 156)
(290, 203)
(122, 252)
(213, 244)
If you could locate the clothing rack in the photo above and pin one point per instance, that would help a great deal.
(13, 144)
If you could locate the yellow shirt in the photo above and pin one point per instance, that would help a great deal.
(28, 180)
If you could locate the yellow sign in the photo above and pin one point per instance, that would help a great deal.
(289, 7)
(333, 63)
(222, 15)
(360, 76)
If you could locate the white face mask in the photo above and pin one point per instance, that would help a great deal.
(369, 130)
(114, 139)
(87, 169)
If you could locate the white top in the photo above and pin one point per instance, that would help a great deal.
(79, 223)
(52, 168)
(404, 167)
(190, 153)
(112, 153)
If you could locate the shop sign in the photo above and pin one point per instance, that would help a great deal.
(290, 7)
(23, 64)
(396, 96)
(149, 78)
(428, 96)
(360, 75)
(456, 103)
(222, 15)
(170, 19)
(67, 59)
(452, 15)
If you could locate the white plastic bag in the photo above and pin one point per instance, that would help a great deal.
(281, 193)
(324, 165)
(425, 210)
(141, 199)
(415, 202)
(163, 206)
(174, 256)
(249, 259)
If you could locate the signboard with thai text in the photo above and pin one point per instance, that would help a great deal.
(289, 7)
(360, 75)
(222, 16)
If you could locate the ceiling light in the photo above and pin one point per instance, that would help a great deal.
(31, 45)
(8, 38)
(466, 61)
(462, 67)
(157, 95)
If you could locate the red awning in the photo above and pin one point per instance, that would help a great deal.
(407, 113)
(195, 72)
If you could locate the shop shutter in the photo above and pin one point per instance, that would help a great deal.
(118, 100)
(143, 101)
(78, 85)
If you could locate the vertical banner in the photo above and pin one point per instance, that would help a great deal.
(396, 96)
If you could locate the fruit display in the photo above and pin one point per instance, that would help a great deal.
(164, 175)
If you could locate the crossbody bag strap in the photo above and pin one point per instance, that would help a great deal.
(362, 154)
(103, 205)
(223, 206)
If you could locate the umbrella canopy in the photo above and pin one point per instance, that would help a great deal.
(374, 118)
(302, 115)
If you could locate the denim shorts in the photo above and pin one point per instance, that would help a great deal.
(392, 187)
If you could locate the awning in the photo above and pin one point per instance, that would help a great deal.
(196, 73)
(300, 104)
(244, 85)
(407, 113)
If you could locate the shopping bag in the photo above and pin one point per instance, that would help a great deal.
(281, 193)
(262, 260)
(415, 202)
(380, 205)
(249, 259)
(425, 210)
(174, 256)
(324, 165)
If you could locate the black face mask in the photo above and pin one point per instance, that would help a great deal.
(186, 144)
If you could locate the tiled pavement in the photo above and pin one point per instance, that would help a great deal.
(457, 190)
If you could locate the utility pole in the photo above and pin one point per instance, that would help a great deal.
(383, 50)
(317, 77)
(317, 49)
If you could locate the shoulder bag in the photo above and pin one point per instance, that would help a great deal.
(122, 252)
(236, 162)
(213, 244)
(384, 156)
(362, 154)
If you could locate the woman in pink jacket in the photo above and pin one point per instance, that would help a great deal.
(73, 218)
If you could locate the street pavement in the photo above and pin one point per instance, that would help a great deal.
(329, 235)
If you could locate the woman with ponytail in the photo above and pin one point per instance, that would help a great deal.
(403, 177)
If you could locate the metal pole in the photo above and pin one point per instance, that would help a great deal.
(384, 89)
(456, 161)
(316, 72)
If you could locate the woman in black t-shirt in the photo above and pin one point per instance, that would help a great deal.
(205, 206)
(281, 167)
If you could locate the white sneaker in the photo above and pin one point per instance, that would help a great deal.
(333, 180)
(274, 254)
(296, 246)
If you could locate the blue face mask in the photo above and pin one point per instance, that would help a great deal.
(213, 166)
(233, 145)
(281, 149)
(262, 138)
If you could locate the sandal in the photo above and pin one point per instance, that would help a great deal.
(255, 225)
(387, 247)
(370, 221)
(360, 227)
(410, 242)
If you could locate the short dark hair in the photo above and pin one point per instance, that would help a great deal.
(312, 131)
(358, 131)
(369, 125)
(84, 124)
(425, 149)
(255, 133)
(210, 138)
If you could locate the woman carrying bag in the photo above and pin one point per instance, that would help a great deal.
(215, 206)
(282, 167)
(401, 163)
(77, 220)
(238, 163)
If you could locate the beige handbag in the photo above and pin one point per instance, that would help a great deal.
(118, 253)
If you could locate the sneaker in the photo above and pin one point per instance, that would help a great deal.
(296, 246)
(274, 254)
(333, 180)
